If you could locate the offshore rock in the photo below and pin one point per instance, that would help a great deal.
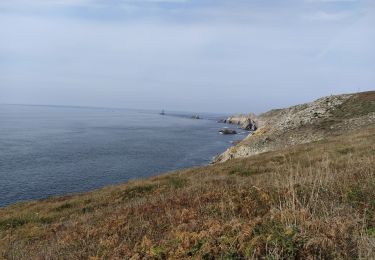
(226, 131)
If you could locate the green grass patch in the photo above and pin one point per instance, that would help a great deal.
(64, 206)
(176, 181)
(279, 237)
(158, 252)
(12, 223)
(346, 150)
(371, 232)
(19, 221)
(138, 191)
(362, 196)
(195, 249)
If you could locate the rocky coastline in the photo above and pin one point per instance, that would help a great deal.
(308, 201)
(281, 128)
(244, 121)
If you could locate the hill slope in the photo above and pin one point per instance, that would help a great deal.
(314, 200)
(305, 123)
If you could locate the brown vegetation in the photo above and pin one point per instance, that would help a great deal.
(309, 201)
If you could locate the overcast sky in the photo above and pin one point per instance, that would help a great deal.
(191, 55)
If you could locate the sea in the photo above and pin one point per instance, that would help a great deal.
(55, 150)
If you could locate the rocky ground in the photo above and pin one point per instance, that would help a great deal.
(300, 124)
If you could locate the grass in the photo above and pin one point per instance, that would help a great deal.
(308, 201)
(362, 104)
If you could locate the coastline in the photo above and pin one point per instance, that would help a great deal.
(193, 143)
(271, 203)
(263, 139)
(168, 215)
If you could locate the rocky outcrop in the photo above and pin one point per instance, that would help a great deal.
(227, 131)
(246, 122)
(304, 123)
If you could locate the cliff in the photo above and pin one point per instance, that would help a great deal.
(245, 121)
(304, 123)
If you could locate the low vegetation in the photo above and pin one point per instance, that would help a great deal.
(361, 104)
(309, 201)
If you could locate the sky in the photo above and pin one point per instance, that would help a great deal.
(222, 56)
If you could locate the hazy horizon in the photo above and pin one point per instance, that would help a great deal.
(161, 109)
(184, 55)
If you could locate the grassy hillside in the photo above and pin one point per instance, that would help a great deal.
(313, 200)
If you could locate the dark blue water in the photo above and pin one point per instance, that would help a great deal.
(47, 151)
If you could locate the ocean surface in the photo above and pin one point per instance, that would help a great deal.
(48, 150)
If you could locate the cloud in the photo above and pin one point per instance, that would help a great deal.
(332, 1)
(223, 55)
(326, 16)
(156, 1)
(77, 3)
(19, 3)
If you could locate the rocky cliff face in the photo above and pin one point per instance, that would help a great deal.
(246, 122)
(304, 123)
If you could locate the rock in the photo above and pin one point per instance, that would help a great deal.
(245, 122)
(196, 117)
(249, 125)
(226, 131)
(304, 123)
(266, 140)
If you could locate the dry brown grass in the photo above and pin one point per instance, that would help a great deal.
(309, 201)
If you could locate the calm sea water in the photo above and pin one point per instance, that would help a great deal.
(46, 151)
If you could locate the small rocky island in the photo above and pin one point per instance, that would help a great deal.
(227, 131)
